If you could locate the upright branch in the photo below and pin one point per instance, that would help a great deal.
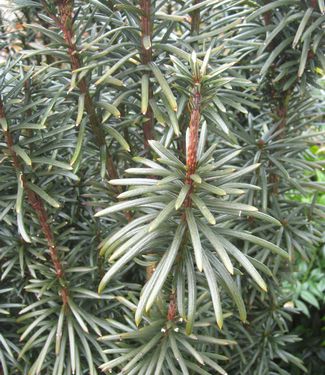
(281, 100)
(267, 15)
(314, 4)
(191, 164)
(273, 177)
(191, 159)
(65, 22)
(192, 147)
(281, 97)
(194, 125)
(172, 307)
(37, 204)
(146, 31)
(146, 58)
(282, 114)
(195, 19)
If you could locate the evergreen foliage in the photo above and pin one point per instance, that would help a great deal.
(150, 156)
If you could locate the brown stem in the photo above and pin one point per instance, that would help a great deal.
(195, 114)
(191, 160)
(148, 124)
(65, 23)
(169, 9)
(27, 86)
(282, 112)
(172, 307)
(146, 57)
(195, 28)
(146, 31)
(267, 16)
(37, 204)
(314, 4)
(195, 19)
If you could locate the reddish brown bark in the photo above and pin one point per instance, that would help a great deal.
(146, 30)
(146, 57)
(191, 160)
(267, 17)
(65, 23)
(37, 204)
(172, 307)
(195, 19)
(282, 112)
(314, 4)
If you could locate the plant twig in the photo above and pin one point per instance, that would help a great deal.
(191, 160)
(37, 204)
(65, 23)
(146, 57)
(195, 19)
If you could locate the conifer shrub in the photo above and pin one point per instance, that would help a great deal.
(151, 153)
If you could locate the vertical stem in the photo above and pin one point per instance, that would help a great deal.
(191, 160)
(172, 307)
(172, 304)
(314, 4)
(195, 19)
(37, 204)
(282, 112)
(169, 9)
(65, 23)
(281, 108)
(195, 28)
(146, 31)
(267, 15)
(27, 87)
(195, 116)
(146, 57)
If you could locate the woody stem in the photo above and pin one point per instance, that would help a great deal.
(37, 204)
(191, 160)
(65, 23)
(146, 57)
(195, 19)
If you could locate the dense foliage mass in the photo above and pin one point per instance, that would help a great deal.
(161, 174)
